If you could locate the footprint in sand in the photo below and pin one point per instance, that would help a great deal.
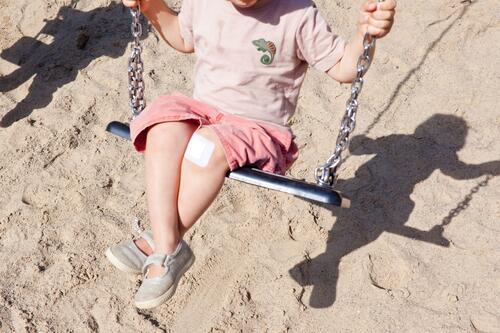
(388, 271)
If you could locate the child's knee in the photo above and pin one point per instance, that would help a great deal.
(205, 150)
(169, 133)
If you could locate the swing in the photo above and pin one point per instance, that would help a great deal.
(326, 175)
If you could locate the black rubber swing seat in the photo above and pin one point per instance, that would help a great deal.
(298, 188)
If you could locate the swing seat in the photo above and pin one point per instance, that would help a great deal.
(298, 188)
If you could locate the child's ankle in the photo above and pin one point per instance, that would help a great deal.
(167, 249)
(143, 245)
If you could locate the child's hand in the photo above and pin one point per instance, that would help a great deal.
(134, 3)
(376, 18)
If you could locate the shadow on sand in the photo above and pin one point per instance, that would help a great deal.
(78, 39)
(381, 192)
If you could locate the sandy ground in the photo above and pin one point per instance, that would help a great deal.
(418, 251)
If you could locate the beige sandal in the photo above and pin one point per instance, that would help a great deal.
(127, 257)
(155, 291)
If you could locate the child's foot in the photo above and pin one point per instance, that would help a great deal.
(156, 290)
(129, 256)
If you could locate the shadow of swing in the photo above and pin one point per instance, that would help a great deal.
(382, 187)
(78, 39)
(381, 190)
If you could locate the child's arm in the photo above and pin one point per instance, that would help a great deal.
(375, 19)
(165, 21)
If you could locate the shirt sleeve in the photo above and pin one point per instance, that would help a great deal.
(317, 44)
(185, 18)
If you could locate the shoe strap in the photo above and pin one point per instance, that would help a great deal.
(154, 259)
(160, 259)
(148, 237)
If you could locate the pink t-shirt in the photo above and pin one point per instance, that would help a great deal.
(251, 62)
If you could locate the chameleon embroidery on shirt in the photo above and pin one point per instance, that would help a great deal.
(268, 48)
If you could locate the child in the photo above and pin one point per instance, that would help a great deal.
(252, 56)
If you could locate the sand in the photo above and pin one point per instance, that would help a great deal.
(418, 251)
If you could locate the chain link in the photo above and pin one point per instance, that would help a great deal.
(464, 204)
(136, 67)
(326, 174)
(136, 226)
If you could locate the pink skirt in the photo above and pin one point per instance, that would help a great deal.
(246, 142)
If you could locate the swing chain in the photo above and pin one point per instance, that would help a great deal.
(326, 174)
(136, 67)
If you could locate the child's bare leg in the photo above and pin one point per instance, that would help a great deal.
(194, 181)
(171, 199)
(200, 185)
(165, 148)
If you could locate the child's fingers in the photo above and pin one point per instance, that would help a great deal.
(369, 6)
(383, 14)
(376, 32)
(382, 24)
(377, 18)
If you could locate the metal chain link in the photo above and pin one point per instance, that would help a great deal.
(136, 226)
(136, 67)
(464, 204)
(326, 174)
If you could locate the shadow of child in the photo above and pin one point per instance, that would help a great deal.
(381, 191)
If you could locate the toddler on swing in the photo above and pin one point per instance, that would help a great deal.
(251, 59)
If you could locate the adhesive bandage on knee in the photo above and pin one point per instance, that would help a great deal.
(199, 150)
